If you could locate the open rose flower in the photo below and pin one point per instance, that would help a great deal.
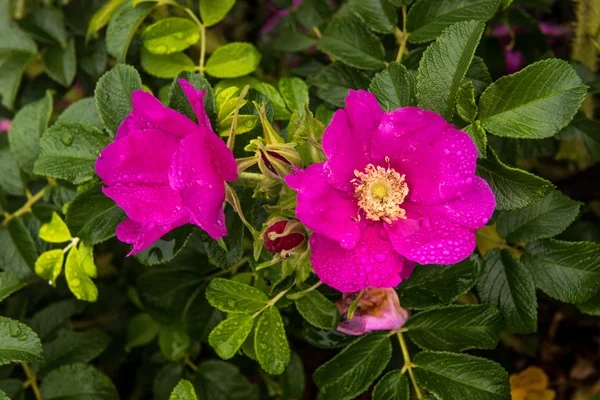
(165, 170)
(397, 187)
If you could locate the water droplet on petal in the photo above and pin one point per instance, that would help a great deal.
(380, 257)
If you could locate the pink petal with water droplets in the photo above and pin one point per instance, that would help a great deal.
(196, 100)
(200, 185)
(323, 208)
(142, 237)
(438, 161)
(347, 139)
(373, 262)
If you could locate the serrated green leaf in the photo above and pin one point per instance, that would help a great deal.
(245, 123)
(427, 19)
(13, 66)
(78, 280)
(279, 107)
(235, 297)
(588, 131)
(46, 321)
(333, 82)
(102, 16)
(18, 253)
(68, 150)
(318, 310)
(479, 136)
(141, 330)
(83, 110)
(86, 260)
(270, 342)
(113, 95)
(18, 343)
(591, 306)
(74, 347)
(460, 376)
(233, 60)
(456, 328)
(444, 66)
(55, 231)
(379, 15)
(513, 188)
(166, 66)
(227, 338)
(93, 57)
(213, 11)
(220, 380)
(122, 28)
(179, 102)
(349, 41)
(465, 102)
(183, 391)
(27, 128)
(393, 386)
(173, 342)
(170, 35)
(47, 25)
(508, 285)
(49, 265)
(533, 103)
(78, 382)
(544, 219)
(478, 75)
(11, 179)
(166, 247)
(61, 64)
(567, 271)
(294, 92)
(9, 283)
(394, 87)
(292, 41)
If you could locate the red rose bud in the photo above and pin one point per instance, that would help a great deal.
(285, 236)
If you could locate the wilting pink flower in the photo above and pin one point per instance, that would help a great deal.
(165, 171)
(378, 310)
(398, 187)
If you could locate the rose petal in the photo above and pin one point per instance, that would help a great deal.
(142, 237)
(347, 139)
(196, 100)
(323, 208)
(373, 262)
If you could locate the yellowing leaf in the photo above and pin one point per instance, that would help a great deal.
(55, 231)
(102, 16)
(78, 280)
(49, 264)
(245, 123)
(86, 260)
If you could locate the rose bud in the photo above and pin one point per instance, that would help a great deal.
(275, 160)
(285, 236)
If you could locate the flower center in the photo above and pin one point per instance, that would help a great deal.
(380, 191)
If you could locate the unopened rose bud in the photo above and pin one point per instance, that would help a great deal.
(285, 236)
(378, 310)
(275, 160)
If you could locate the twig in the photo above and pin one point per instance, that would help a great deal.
(25, 208)
(32, 381)
(408, 365)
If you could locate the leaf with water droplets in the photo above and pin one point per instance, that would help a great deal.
(55, 231)
(318, 310)
(230, 334)
(170, 35)
(77, 278)
(49, 264)
(183, 391)
(235, 297)
(270, 343)
(18, 343)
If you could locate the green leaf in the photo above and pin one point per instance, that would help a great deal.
(55, 231)
(170, 35)
(460, 376)
(122, 27)
(165, 248)
(113, 95)
(174, 343)
(508, 285)
(213, 11)
(47, 24)
(68, 150)
(318, 310)
(427, 19)
(233, 60)
(230, 334)
(78, 382)
(294, 92)
(27, 128)
(534, 103)
(479, 136)
(293, 41)
(435, 285)
(93, 57)
(18, 343)
(544, 219)
(270, 343)
(46, 321)
(11, 180)
(349, 41)
(60, 64)
(78, 279)
(585, 129)
(9, 283)
(313, 13)
(444, 66)
(394, 87)
(279, 107)
(18, 253)
(49, 264)
(235, 297)
(183, 391)
(13, 66)
(93, 217)
(334, 80)
(83, 110)
(166, 66)
(102, 16)
(465, 102)
(74, 347)
(141, 330)
(355, 368)
(379, 15)
(567, 271)
(220, 380)
(456, 328)
(513, 187)
(178, 100)
(478, 75)
(393, 386)
(591, 306)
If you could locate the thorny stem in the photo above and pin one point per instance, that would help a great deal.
(271, 302)
(25, 208)
(408, 365)
(32, 381)
(401, 37)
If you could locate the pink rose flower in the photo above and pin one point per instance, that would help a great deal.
(378, 310)
(165, 171)
(397, 187)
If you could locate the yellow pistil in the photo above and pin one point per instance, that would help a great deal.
(380, 191)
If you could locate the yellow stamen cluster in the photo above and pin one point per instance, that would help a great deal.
(380, 191)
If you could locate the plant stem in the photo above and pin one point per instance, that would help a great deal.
(236, 113)
(251, 178)
(232, 269)
(202, 38)
(272, 302)
(32, 381)
(401, 36)
(408, 365)
(25, 208)
(189, 363)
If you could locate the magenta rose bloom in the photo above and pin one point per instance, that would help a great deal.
(165, 171)
(397, 187)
